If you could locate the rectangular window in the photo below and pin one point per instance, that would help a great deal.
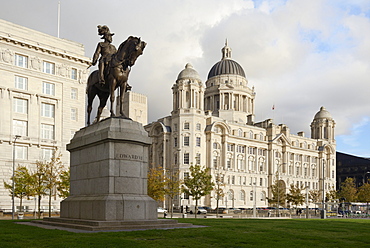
(198, 141)
(198, 126)
(47, 131)
(74, 73)
(186, 141)
(21, 83)
(186, 126)
(228, 163)
(186, 175)
(20, 152)
(73, 114)
(48, 88)
(20, 127)
(21, 61)
(197, 158)
(47, 154)
(48, 67)
(47, 110)
(175, 142)
(175, 127)
(186, 158)
(20, 105)
(74, 93)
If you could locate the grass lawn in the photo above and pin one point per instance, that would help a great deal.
(218, 233)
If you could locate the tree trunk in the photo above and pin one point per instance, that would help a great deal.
(50, 196)
(39, 206)
(196, 208)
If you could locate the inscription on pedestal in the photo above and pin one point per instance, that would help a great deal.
(129, 157)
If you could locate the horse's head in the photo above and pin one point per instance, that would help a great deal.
(130, 50)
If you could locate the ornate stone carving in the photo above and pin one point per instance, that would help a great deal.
(35, 63)
(8, 56)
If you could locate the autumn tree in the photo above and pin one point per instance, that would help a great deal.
(198, 184)
(156, 184)
(295, 195)
(172, 187)
(363, 195)
(331, 194)
(22, 185)
(219, 191)
(38, 182)
(63, 185)
(348, 190)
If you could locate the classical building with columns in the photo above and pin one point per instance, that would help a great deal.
(42, 99)
(214, 125)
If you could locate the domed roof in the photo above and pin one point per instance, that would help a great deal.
(323, 114)
(188, 72)
(226, 65)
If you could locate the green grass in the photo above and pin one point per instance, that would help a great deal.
(218, 233)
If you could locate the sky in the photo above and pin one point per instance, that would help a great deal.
(299, 55)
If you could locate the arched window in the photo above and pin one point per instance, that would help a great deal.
(240, 132)
(251, 135)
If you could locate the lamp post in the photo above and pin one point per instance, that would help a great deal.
(254, 200)
(13, 184)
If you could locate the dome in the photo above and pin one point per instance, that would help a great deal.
(323, 114)
(189, 72)
(226, 65)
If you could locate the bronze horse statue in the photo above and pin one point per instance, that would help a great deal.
(115, 75)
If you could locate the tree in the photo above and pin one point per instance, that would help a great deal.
(348, 190)
(172, 187)
(38, 180)
(198, 184)
(331, 194)
(52, 172)
(364, 195)
(22, 184)
(156, 183)
(278, 193)
(315, 196)
(63, 185)
(295, 195)
(219, 192)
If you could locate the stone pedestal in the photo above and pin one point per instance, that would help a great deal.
(109, 165)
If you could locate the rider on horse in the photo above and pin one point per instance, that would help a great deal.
(105, 49)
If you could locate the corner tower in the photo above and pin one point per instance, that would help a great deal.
(322, 126)
(227, 94)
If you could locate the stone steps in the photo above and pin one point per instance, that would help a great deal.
(92, 225)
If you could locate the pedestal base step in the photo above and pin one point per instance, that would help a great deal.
(93, 225)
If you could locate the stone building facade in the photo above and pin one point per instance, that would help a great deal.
(42, 99)
(214, 126)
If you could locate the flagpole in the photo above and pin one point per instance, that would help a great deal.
(59, 19)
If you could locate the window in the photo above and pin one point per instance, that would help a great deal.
(48, 88)
(175, 142)
(20, 152)
(175, 127)
(261, 181)
(74, 93)
(20, 127)
(74, 114)
(251, 196)
(215, 162)
(21, 83)
(242, 195)
(186, 141)
(186, 158)
(47, 131)
(230, 147)
(197, 158)
(186, 125)
(198, 126)
(198, 141)
(21, 61)
(74, 73)
(186, 175)
(47, 110)
(48, 68)
(228, 162)
(47, 154)
(232, 179)
(240, 133)
(20, 105)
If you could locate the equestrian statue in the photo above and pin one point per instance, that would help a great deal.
(114, 69)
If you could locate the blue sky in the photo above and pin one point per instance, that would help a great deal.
(299, 55)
